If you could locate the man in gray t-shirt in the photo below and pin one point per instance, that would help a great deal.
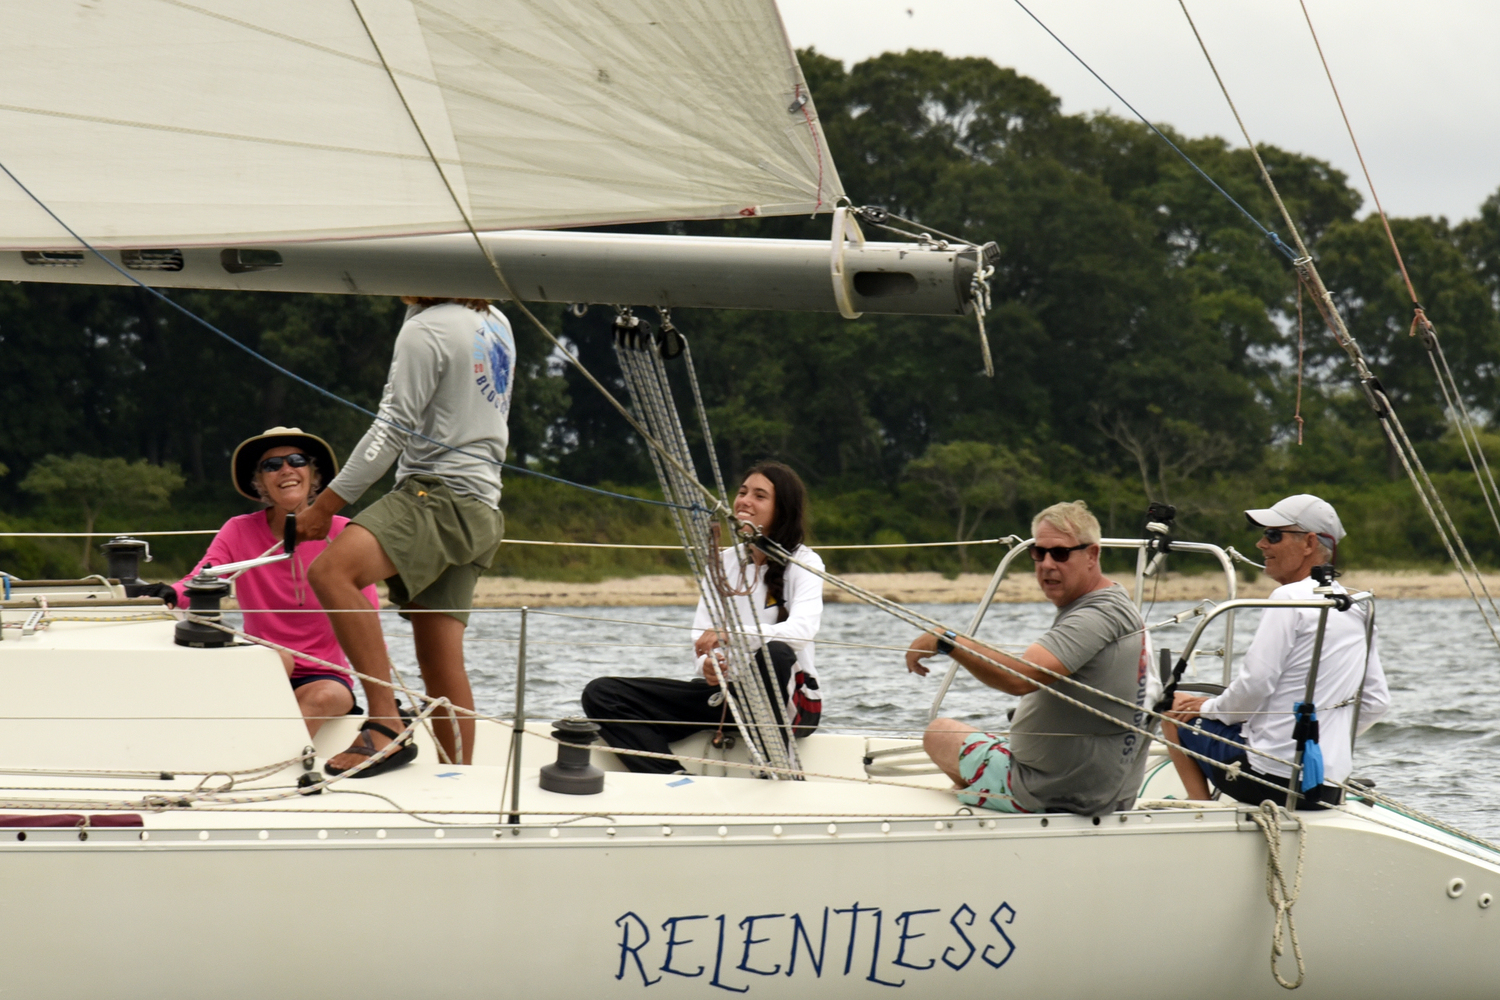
(1058, 756)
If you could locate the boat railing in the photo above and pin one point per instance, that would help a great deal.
(1327, 600)
(1144, 548)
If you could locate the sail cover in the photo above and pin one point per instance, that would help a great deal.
(177, 123)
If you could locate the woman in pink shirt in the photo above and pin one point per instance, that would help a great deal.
(284, 468)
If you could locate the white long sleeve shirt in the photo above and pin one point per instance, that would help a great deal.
(803, 593)
(1274, 678)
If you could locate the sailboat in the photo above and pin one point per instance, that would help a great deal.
(164, 830)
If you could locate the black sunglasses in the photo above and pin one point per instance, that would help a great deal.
(296, 460)
(1274, 535)
(1059, 553)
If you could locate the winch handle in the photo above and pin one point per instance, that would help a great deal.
(289, 536)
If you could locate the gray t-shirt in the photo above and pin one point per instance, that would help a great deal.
(1068, 759)
(451, 380)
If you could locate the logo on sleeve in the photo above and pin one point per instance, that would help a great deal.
(492, 356)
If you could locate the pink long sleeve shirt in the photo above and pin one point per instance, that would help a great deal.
(265, 590)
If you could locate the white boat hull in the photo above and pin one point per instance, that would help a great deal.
(1125, 909)
(668, 885)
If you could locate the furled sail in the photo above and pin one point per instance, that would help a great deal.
(199, 122)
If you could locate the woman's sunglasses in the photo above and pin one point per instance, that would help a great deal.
(296, 460)
(1059, 553)
(1274, 535)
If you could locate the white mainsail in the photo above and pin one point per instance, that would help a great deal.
(177, 123)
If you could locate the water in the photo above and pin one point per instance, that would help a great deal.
(1438, 749)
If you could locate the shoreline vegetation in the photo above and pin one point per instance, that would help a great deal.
(935, 588)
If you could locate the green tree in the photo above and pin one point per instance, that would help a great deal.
(971, 479)
(95, 484)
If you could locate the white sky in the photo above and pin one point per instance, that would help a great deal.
(1420, 80)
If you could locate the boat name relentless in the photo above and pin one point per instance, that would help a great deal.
(672, 945)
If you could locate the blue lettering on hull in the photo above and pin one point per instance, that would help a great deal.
(926, 939)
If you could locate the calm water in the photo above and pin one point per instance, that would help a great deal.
(1438, 748)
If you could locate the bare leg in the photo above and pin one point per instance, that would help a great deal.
(287, 663)
(321, 701)
(1187, 768)
(942, 741)
(439, 641)
(353, 561)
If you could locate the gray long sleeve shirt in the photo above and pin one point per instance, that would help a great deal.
(451, 381)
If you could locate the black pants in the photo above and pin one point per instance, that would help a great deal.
(1251, 792)
(671, 709)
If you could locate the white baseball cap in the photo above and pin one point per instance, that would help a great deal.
(1301, 511)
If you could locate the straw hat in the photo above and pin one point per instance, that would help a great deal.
(247, 456)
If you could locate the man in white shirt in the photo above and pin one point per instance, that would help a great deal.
(1256, 710)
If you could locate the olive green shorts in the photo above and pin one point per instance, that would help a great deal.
(438, 540)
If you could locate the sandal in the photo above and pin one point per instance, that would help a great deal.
(365, 747)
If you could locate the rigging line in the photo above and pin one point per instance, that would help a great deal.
(1301, 346)
(326, 393)
(1384, 411)
(1361, 156)
(1460, 411)
(1266, 174)
(1268, 234)
(1455, 400)
(515, 299)
(1484, 461)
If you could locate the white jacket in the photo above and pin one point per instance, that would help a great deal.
(804, 603)
(1274, 678)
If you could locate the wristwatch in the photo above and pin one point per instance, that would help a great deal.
(945, 642)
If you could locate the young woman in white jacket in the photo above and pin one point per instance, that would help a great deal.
(648, 713)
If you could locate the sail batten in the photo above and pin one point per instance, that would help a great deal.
(178, 123)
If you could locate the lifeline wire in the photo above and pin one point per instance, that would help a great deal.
(1359, 792)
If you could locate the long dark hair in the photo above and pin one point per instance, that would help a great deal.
(788, 526)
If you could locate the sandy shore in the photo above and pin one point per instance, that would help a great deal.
(934, 588)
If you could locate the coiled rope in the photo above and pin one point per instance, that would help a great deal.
(1282, 896)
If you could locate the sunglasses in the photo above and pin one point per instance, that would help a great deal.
(1274, 535)
(296, 460)
(1059, 553)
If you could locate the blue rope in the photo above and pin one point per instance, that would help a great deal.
(313, 385)
(1268, 234)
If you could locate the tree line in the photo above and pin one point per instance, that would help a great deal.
(1146, 344)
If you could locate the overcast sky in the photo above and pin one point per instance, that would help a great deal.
(1420, 80)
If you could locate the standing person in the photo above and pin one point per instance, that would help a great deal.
(429, 538)
(1256, 710)
(284, 469)
(788, 603)
(1057, 757)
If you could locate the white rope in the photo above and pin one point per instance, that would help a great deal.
(744, 692)
(1281, 896)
